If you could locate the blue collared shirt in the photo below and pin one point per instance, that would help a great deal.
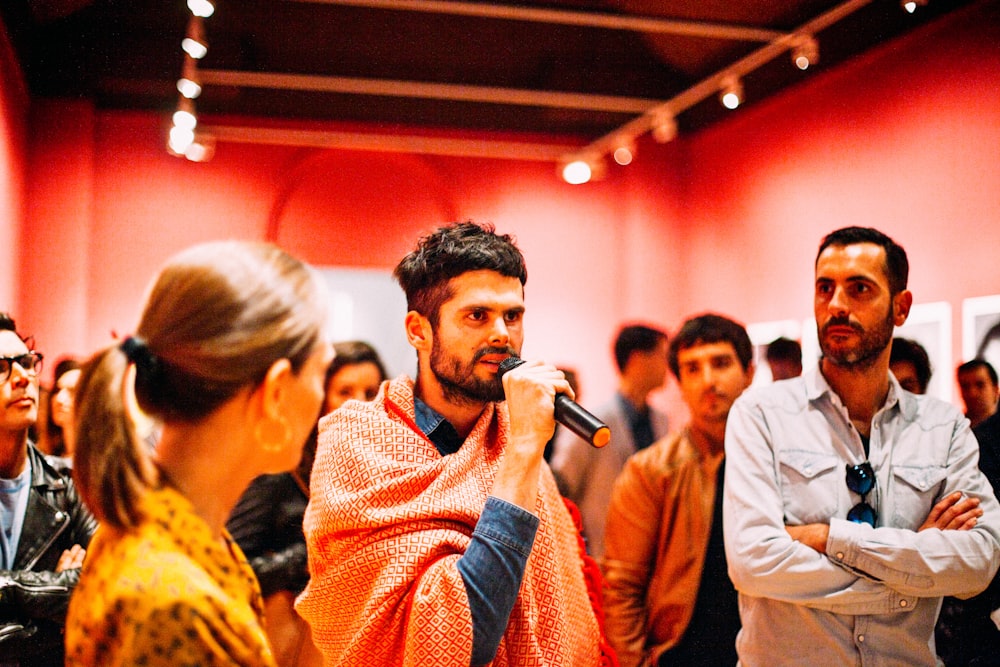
(493, 566)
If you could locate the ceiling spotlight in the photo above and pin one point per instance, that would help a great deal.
(731, 92)
(185, 119)
(189, 88)
(180, 139)
(664, 127)
(202, 8)
(194, 43)
(188, 85)
(911, 5)
(202, 149)
(194, 48)
(805, 52)
(578, 169)
(624, 152)
(577, 172)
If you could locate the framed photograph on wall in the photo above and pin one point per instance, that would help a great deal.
(981, 329)
(930, 325)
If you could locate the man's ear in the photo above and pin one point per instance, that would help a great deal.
(419, 332)
(901, 304)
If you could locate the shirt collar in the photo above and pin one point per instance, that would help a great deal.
(437, 429)
(817, 387)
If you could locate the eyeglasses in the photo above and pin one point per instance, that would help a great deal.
(30, 363)
(861, 480)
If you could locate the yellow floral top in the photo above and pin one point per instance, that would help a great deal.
(166, 593)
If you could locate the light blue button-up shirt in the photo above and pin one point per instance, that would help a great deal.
(873, 598)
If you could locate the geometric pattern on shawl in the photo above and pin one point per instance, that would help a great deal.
(387, 521)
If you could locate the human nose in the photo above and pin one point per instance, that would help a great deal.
(498, 332)
(838, 301)
(19, 375)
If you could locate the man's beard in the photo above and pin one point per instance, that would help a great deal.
(871, 345)
(458, 380)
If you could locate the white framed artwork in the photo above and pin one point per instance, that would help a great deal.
(930, 325)
(981, 329)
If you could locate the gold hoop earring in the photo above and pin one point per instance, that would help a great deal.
(267, 434)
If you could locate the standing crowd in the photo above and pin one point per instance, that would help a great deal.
(225, 486)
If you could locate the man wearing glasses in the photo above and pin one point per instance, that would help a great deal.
(44, 527)
(851, 507)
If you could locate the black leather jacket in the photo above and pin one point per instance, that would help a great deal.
(33, 597)
(267, 524)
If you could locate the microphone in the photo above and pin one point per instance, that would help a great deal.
(570, 414)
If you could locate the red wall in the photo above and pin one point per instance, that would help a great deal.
(13, 108)
(905, 139)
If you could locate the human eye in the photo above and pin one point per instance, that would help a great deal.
(722, 363)
(824, 287)
(513, 316)
(477, 315)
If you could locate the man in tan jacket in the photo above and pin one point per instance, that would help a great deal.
(668, 599)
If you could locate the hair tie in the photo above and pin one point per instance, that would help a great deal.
(139, 354)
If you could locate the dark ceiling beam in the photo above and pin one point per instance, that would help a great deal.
(647, 24)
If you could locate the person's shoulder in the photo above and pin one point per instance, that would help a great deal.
(663, 455)
(791, 394)
(989, 429)
(930, 410)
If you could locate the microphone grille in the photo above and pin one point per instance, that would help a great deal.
(510, 363)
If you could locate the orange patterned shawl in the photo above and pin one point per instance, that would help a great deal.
(388, 520)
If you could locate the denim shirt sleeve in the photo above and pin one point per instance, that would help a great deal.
(492, 568)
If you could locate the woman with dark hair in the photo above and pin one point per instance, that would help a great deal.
(230, 356)
(59, 436)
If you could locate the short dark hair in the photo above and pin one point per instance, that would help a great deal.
(978, 362)
(782, 348)
(711, 328)
(904, 349)
(352, 352)
(7, 323)
(448, 252)
(634, 338)
(897, 267)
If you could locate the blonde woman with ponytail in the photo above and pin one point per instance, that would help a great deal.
(230, 356)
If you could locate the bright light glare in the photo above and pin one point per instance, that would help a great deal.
(730, 100)
(202, 8)
(802, 62)
(188, 88)
(185, 119)
(623, 155)
(576, 172)
(664, 129)
(180, 139)
(910, 6)
(194, 48)
(197, 152)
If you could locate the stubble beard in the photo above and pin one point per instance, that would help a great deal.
(863, 357)
(458, 380)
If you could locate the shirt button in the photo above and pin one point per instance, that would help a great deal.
(59, 516)
(861, 638)
(903, 603)
(840, 555)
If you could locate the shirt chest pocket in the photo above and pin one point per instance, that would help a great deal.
(914, 490)
(810, 484)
